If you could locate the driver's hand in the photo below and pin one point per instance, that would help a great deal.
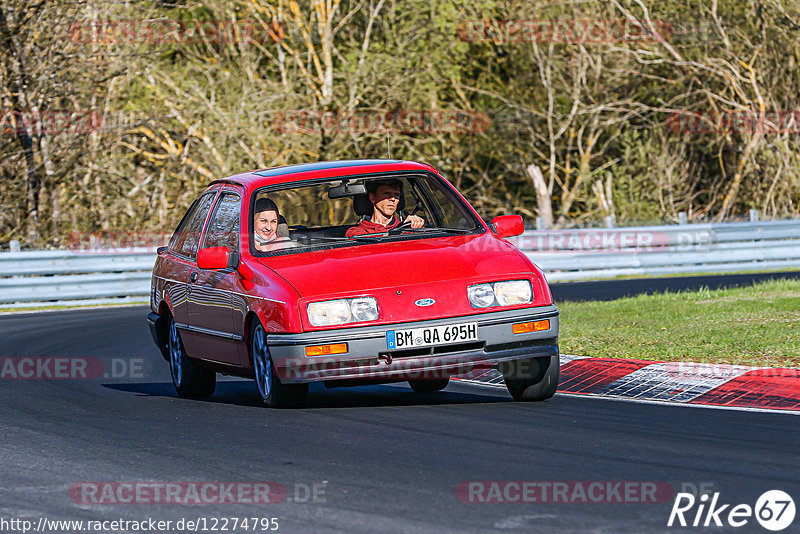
(415, 220)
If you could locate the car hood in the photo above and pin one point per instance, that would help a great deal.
(400, 273)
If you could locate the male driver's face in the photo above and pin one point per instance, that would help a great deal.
(386, 199)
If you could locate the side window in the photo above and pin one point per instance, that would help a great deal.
(183, 223)
(223, 230)
(446, 208)
(189, 236)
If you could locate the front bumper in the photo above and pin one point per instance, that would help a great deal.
(368, 358)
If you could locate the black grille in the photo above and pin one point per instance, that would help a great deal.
(541, 342)
(427, 351)
(459, 347)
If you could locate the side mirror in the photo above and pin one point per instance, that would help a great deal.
(508, 225)
(215, 258)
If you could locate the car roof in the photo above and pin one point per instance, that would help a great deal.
(322, 169)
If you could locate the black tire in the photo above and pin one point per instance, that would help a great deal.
(529, 380)
(273, 393)
(189, 379)
(429, 386)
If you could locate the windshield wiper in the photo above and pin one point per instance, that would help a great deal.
(440, 229)
(340, 239)
(321, 238)
(379, 235)
(369, 236)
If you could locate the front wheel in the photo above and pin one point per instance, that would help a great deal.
(189, 379)
(273, 393)
(529, 380)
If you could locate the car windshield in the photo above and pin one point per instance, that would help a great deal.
(295, 218)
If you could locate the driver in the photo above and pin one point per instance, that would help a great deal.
(385, 197)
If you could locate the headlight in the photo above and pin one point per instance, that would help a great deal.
(364, 309)
(508, 293)
(481, 295)
(342, 311)
(513, 292)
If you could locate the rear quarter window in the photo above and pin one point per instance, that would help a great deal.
(187, 236)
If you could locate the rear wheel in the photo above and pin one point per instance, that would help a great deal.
(429, 386)
(530, 380)
(189, 379)
(273, 393)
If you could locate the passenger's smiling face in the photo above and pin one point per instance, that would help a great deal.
(265, 224)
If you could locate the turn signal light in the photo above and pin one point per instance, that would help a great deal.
(326, 350)
(533, 326)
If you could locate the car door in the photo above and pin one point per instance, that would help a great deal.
(213, 299)
(181, 265)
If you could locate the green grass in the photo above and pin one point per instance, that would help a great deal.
(682, 275)
(757, 325)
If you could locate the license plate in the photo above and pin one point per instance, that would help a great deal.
(432, 335)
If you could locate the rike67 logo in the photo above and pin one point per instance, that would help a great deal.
(774, 510)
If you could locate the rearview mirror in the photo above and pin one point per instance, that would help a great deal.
(347, 190)
(216, 258)
(508, 225)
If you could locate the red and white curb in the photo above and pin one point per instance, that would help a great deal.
(684, 382)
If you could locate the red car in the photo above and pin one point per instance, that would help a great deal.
(348, 272)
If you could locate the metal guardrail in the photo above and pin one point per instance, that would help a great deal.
(58, 275)
(656, 250)
(54, 276)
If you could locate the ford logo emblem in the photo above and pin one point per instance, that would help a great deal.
(424, 302)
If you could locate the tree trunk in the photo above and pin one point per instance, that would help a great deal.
(543, 201)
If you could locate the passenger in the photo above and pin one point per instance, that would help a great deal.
(265, 226)
(385, 198)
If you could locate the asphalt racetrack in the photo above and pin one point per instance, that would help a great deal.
(370, 459)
